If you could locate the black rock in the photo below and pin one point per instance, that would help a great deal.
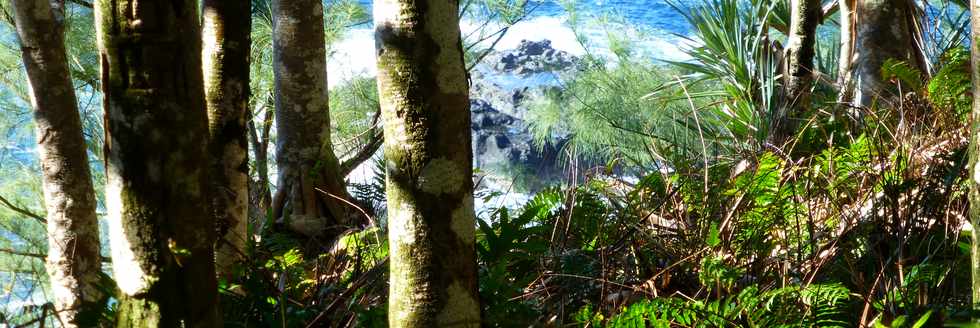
(531, 57)
(534, 48)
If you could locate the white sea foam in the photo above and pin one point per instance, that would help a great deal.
(354, 55)
(555, 29)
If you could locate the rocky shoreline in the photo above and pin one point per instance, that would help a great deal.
(503, 88)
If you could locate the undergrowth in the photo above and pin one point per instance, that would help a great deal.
(696, 220)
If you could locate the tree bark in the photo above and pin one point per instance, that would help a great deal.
(423, 90)
(73, 263)
(161, 227)
(846, 50)
(260, 198)
(974, 154)
(800, 49)
(310, 187)
(227, 25)
(882, 30)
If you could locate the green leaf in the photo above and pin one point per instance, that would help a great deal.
(714, 235)
(901, 71)
(922, 321)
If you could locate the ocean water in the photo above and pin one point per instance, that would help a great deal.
(655, 25)
(652, 13)
(658, 29)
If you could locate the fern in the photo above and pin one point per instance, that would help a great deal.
(900, 71)
(764, 193)
(818, 305)
(950, 88)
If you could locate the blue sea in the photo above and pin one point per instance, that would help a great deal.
(657, 14)
(657, 27)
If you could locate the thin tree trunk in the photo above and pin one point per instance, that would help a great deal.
(975, 159)
(260, 197)
(883, 31)
(423, 90)
(161, 228)
(800, 50)
(846, 50)
(73, 263)
(227, 25)
(309, 180)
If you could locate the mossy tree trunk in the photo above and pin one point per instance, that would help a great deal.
(800, 49)
(74, 264)
(882, 29)
(423, 91)
(162, 231)
(974, 152)
(227, 25)
(310, 186)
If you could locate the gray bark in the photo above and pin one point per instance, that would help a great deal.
(883, 29)
(162, 230)
(227, 25)
(800, 50)
(423, 90)
(260, 199)
(846, 50)
(73, 263)
(309, 172)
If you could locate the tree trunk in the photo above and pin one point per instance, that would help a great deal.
(161, 228)
(309, 180)
(423, 90)
(975, 157)
(846, 49)
(260, 198)
(74, 263)
(883, 29)
(227, 24)
(800, 50)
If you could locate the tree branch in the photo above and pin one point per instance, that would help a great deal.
(105, 259)
(369, 149)
(19, 253)
(377, 139)
(82, 3)
(23, 211)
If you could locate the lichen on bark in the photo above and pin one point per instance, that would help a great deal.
(158, 200)
(882, 29)
(424, 102)
(74, 262)
(226, 29)
(310, 182)
(805, 16)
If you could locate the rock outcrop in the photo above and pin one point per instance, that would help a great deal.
(533, 57)
(502, 90)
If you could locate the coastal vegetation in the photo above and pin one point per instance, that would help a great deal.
(797, 163)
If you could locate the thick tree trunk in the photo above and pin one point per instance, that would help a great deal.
(227, 25)
(309, 180)
(800, 50)
(74, 263)
(882, 30)
(975, 157)
(423, 90)
(161, 228)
